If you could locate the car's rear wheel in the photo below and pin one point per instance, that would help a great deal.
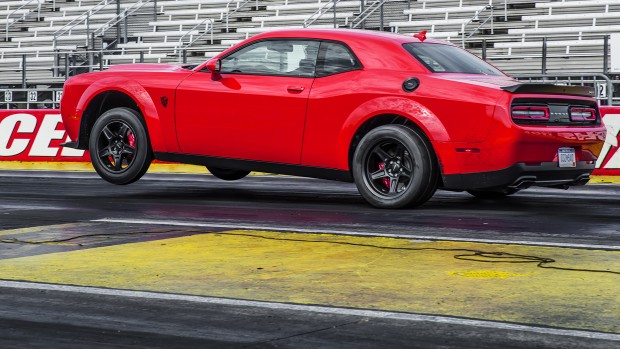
(394, 167)
(119, 146)
(495, 193)
(227, 174)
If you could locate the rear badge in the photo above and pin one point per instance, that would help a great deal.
(164, 101)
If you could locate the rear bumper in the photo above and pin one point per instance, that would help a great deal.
(521, 176)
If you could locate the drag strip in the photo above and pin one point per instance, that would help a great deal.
(290, 262)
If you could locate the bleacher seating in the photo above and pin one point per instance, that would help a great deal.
(158, 30)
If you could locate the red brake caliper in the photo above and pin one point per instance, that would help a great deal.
(386, 181)
(132, 140)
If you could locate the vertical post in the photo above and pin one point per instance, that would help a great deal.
(544, 56)
(125, 29)
(23, 71)
(362, 9)
(101, 60)
(66, 66)
(606, 54)
(91, 59)
(381, 17)
(334, 8)
(184, 56)
(408, 4)
(484, 49)
(118, 24)
(56, 62)
(154, 10)
(88, 29)
(141, 56)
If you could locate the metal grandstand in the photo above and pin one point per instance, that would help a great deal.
(46, 41)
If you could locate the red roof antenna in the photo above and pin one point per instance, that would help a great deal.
(420, 36)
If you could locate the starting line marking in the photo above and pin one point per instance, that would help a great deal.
(344, 232)
(312, 308)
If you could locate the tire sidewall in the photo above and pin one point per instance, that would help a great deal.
(142, 156)
(418, 189)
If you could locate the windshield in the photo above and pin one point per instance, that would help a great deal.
(440, 58)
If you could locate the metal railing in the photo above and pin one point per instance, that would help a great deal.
(32, 98)
(367, 11)
(331, 5)
(82, 18)
(239, 6)
(23, 15)
(183, 49)
(603, 85)
(476, 18)
(128, 11)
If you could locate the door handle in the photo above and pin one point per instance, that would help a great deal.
(295, 88)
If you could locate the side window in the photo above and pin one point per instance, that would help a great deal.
(274, 57)
(335, 58)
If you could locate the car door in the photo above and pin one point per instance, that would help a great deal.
(254, 109)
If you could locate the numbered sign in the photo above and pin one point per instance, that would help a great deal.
(8, 96)
(32, 96)
(601, 90)
(57, 96)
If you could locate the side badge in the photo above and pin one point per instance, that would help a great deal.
(164, 101)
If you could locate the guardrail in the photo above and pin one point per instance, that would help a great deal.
(31, 98)
(603, 85)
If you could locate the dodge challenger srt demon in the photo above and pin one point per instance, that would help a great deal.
(401, 116)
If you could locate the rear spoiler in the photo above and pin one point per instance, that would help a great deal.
(551, 89)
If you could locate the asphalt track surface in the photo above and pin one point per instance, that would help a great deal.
(189, 261)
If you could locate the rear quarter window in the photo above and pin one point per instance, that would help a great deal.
(440, 58)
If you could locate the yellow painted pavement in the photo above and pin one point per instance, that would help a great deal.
(472, 280)
(87, 167)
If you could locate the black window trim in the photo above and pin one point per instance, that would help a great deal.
(322, 51)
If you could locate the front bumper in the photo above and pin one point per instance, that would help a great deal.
(521, 176)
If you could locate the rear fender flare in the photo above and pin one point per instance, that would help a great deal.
(412, 110)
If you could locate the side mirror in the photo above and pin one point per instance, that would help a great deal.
(214, 65)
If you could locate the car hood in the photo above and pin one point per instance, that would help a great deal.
(148, 67)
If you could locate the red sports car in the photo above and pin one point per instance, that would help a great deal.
(399, 115)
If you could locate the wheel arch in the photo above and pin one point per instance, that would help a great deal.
(396, 111)
(131, 95)
(389, 119)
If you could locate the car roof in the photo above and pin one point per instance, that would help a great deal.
(346, 35)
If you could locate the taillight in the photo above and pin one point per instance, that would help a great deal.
(582, 114)
(530, 113)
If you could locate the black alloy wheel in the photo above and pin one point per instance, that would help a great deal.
(119, 148)
(227, 174)
(394, 167)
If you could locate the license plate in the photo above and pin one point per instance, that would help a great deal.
(566, 157)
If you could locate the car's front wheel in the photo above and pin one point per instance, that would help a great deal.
(119, 146)
(394, 167)
(227, 174)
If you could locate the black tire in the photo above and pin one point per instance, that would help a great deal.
(495, 193)
(227, 174)
(119, 146)
(394, 167)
